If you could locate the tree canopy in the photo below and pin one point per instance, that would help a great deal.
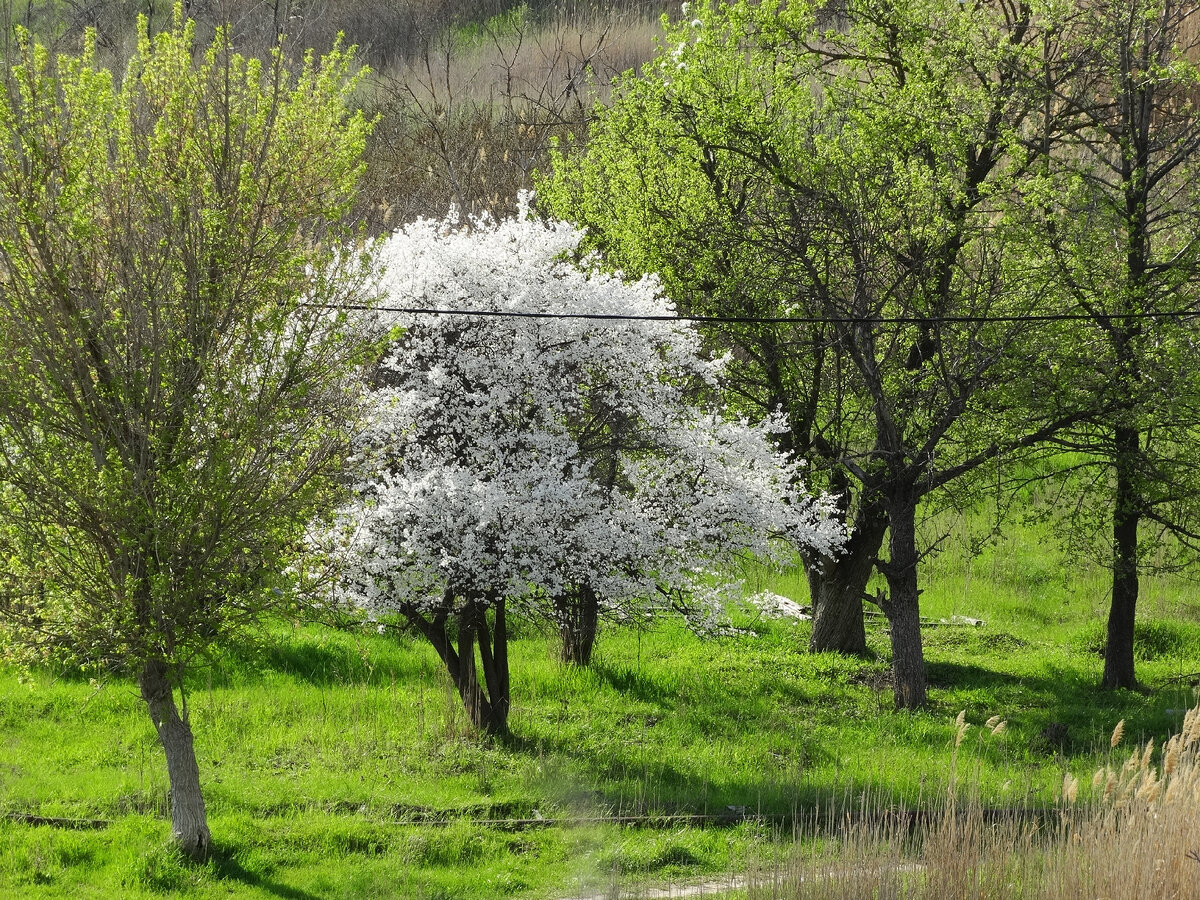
(174, 391)
(527, 451)
(1117, 219)
(843, 181)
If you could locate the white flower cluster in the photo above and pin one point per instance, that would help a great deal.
(775, 606)
(513, 457)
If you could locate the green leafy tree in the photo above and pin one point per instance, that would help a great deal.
(174, 388)
(1120, 222)
(857, 167)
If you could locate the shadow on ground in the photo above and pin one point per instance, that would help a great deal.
(228, 868)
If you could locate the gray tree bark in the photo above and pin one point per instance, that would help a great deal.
(902, 606)
(189, 821)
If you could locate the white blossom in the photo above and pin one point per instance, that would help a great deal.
(513, 457)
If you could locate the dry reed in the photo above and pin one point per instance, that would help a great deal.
(1132, 831)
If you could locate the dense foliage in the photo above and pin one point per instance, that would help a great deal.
(842, 189)
(1117, 218)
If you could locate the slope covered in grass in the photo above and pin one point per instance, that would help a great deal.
(339, 763)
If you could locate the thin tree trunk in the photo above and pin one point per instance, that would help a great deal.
(902, 607)
(493, 655)
(1136, 110)
(578, 618)
(467, 678)
(1118, 649)
(189, 822)
(501, 655)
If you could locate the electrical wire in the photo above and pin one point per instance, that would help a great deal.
(758, 320)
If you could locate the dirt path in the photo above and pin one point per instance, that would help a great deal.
(709, 888)
(712, 887)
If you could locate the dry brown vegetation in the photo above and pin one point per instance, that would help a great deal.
(469, 119)
(467, 94)
(1132, 831)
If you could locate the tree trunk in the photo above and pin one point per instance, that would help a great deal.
(902, 607)
(837, 591)
(578, 613)
(189, 822)
(1118, 649)
(837, 587)
(486, 702)
(465, 676)
(493, 656)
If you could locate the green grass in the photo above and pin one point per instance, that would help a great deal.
(339, 764)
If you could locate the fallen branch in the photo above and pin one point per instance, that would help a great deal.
(1191, 676)
(926, 622)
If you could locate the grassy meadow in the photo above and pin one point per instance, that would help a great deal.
(339, 764)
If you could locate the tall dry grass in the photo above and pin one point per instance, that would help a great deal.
(1132, 831)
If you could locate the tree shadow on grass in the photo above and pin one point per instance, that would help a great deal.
(720, 700)
(626, 784)
(227, 867)
(1062, 710)
(636, 684)
(1051, 711)
(331, 660)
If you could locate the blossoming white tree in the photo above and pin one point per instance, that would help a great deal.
(546, 455)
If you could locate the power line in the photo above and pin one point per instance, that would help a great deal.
(758, 320)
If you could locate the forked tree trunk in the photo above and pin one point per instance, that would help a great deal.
(493, 655)
(902, 607)
(189, 822)
(487, 699)
(578, 613)
(1118, 649)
